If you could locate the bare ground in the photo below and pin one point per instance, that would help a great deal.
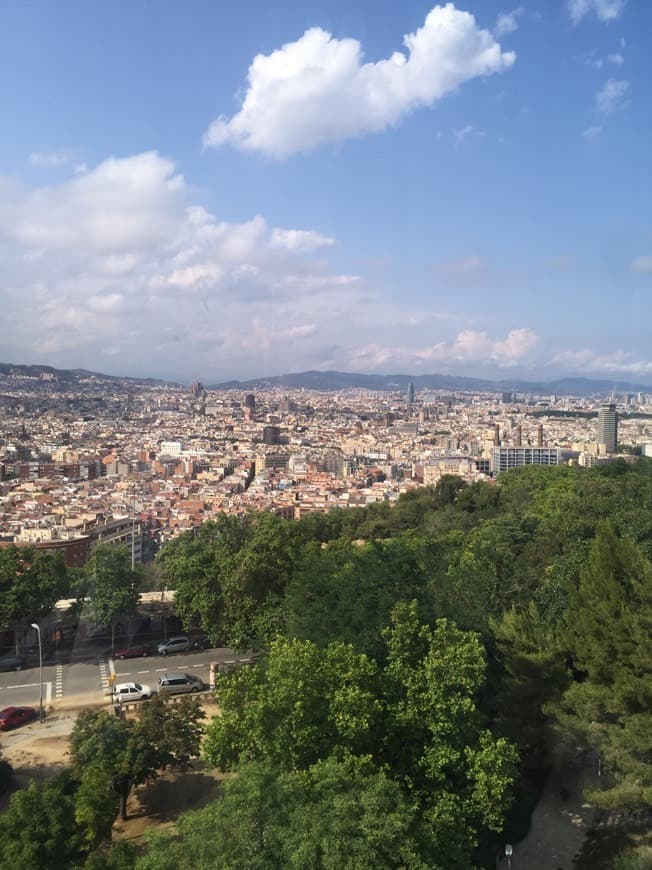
(37, 752)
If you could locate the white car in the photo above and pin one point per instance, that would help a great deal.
(131, 692)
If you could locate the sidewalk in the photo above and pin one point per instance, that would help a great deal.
(559, 826)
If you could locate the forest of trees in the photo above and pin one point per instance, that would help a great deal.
(418, 663)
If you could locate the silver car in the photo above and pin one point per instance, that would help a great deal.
(174, 645)
(177, 684)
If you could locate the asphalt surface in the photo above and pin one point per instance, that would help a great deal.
(86, 675)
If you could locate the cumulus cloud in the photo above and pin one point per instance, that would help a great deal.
(642, 264)
(604, 10)
(612, 96)
(591, 132)
(121, 257)
(318, 90)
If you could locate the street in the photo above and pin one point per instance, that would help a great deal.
(64, 682)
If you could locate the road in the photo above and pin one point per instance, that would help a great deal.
(87, 678)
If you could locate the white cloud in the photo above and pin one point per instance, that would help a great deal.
(121, 257)
(318, 90)
(300, 240)
(618, 362)
(612, 95)
(617, 59)
(508, 22)
(50, 158)
(605, 10)
(591, 132)
(642, 264)
(470, 346)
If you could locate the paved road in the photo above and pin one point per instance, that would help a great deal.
(66, 681)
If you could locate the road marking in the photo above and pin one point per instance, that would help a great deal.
(161, 669)
(199, 666)
(58, 687)
(23, 686)
(142, 672)
(48, 692)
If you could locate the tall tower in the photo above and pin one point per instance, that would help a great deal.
(410, 394)
(608, 427)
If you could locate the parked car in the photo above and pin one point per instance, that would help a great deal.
(177, 684)
(131, 692)
(12, 717)
(200, 642)
(174, 645)
(12, 663)
(133, 652)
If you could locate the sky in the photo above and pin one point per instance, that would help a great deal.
(236, 190)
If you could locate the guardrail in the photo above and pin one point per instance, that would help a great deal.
(130, 706)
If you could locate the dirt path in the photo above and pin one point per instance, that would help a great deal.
(559, 823)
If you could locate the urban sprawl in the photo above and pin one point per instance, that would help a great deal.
(113, 460)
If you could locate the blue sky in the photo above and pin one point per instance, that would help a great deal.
(238, 190)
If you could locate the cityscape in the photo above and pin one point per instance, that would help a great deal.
(142, 464)
(326, 435)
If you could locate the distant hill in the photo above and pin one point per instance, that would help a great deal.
(71, 375)
(330, 380)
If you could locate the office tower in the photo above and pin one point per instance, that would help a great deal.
(540, 435)
(497, 435)
(271, 435)
(250, 401)
(410, 394)
(608, 427)
(507, 397)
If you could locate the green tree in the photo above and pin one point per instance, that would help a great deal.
(31, 582)
(294, 708)
(345, 592)
(338, 815)
(417, 717)
(112, 586)
(38, 828)
(132, 752)
(232, 576)
(608, 706)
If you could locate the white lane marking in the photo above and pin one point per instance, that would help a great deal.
(161, 669)
(199, 666)
(23, 686)
(142, 672)
(48, 692)
(111, 667)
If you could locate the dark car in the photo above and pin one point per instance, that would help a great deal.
(200, 642)
(12, 717)
(132, 652)
(12, 663)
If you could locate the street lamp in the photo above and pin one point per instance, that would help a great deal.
(40, 672)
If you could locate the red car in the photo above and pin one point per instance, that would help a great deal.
(132, 652)
(12, 717)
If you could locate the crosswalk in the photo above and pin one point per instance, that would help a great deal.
(58, 682)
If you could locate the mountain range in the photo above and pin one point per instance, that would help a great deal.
(326, 381)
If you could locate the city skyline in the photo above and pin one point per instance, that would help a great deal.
(238, 193)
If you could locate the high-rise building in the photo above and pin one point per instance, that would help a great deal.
(271, 435)
(410, 394)
(607, 433)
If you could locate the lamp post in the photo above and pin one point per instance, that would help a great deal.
(40, 672)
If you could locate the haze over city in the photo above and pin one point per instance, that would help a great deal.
(238, 191)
